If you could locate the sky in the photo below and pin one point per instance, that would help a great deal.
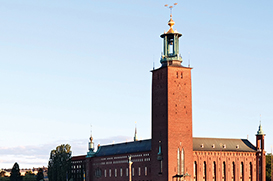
(66, 65)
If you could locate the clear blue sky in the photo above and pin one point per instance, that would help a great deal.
(67, 64)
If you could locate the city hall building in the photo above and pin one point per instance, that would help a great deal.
(173, 154)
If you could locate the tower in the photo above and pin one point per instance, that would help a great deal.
(261, 158)
(172, 145)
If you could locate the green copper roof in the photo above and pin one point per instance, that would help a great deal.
(260, 130)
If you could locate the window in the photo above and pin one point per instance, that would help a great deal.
(170, 46)
(145, 171)
(182, 161)
(181, 75)
(178, 162)
(214, 172)
(204, 171)
(121, 172)
(109, 172)
(242, 171)
(195, 171)
(127, 172)
(133, 171)
(224, 171)
(139, 171)
(250, 171)
(233, 172)
(116, 172)
(105, 173)
(97, 172)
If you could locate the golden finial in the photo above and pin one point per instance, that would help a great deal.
(171, 8)
(171, 22)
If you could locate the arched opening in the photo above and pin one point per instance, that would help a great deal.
(214, 172)
(178, 162)
(233, 171)
(195, 171)
(242, 171)
(182, 162)
(224, 172)
(204, 171)
(250, 171)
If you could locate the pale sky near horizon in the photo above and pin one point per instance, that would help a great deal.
(67, 64)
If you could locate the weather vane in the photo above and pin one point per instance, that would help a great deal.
(171, 7)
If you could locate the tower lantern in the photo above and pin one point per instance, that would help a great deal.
(171, 45)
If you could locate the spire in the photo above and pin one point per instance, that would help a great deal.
(135, 137)
(260, 130)
(91, 152)
(171, 22)
(91, 143)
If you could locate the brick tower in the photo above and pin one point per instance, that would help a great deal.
(172, 145)
(260, 161)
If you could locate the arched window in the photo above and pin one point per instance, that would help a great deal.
(250, 171)
(233, 172)
(214, 172)
(195, 171)
(182, 162)
(204, 171)
(224, 172)
(98, 172)
(178, 162)
(242, 171)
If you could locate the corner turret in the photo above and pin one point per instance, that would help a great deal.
(260, 154)
(91, 152)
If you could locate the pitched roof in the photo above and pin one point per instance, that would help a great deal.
(124, 148)
(222, 144)
(199, 144)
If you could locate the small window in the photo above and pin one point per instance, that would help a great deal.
(224, 146)
(109, 172)
(127, 172)
(116, 173)
(139, 171)
(181, 75)
(121, 172)
(133, 172)
(237, 146)
(176, 74)
(145, 171)
(202, 145)
(213, 145)
(105, 173)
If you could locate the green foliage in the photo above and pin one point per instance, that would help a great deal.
(29, 176)
(268, 167)
(4, 179)
(40, 175)
(59, 163)
(15, 173)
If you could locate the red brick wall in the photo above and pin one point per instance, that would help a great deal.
(171, 119)
(117, 162)
(228, 157)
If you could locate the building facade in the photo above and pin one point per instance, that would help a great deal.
(173, 153)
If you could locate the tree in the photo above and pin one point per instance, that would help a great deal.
(29, 176)
(59, 163)
(268, 167)
(40, 175)
(4, 179)
(15, 174)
